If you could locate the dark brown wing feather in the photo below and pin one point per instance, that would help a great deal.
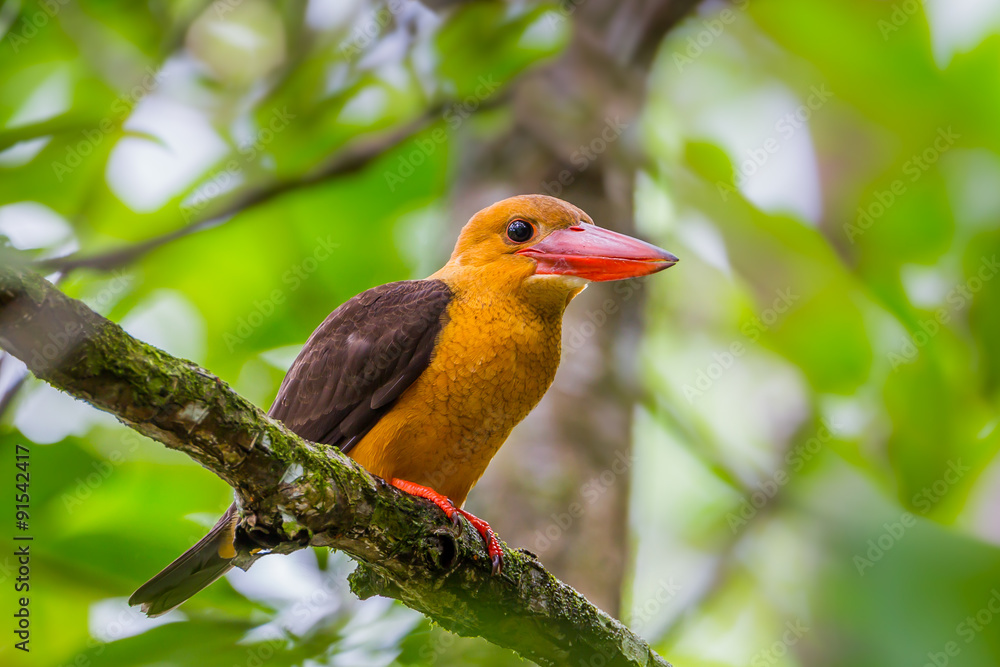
(351, 370)
(192, 571)
(360, 360)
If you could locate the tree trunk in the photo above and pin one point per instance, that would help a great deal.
(575, 135)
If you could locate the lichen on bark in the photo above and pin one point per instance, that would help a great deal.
(405, 547)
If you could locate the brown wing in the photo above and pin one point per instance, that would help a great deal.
(360, 360)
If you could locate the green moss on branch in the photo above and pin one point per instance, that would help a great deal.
(405, 547)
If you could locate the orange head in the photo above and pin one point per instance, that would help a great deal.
(541, 240)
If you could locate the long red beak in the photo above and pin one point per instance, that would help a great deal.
(595, 253)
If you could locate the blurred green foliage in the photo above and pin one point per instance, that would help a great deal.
(829, 175)
(818, 436)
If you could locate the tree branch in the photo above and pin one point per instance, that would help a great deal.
(293, 493)
(349, 160)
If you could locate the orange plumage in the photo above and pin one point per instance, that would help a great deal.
(493, 362)
(422, 381)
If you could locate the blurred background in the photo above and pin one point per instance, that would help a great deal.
(781, 452)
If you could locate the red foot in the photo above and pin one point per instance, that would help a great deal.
(492, 541)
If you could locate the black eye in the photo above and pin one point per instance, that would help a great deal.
(520, 231)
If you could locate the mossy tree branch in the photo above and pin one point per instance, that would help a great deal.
(295, 493)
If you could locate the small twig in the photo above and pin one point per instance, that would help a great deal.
(352, 159)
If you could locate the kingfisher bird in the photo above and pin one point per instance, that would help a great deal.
(421, 381)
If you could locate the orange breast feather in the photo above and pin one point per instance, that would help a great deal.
(494, 359)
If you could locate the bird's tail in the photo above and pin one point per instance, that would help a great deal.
(193, 570)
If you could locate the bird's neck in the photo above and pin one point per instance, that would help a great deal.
(521, 295)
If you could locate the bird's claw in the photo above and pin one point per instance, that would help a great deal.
(495, 552)
(497, 564)
(493, 549)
